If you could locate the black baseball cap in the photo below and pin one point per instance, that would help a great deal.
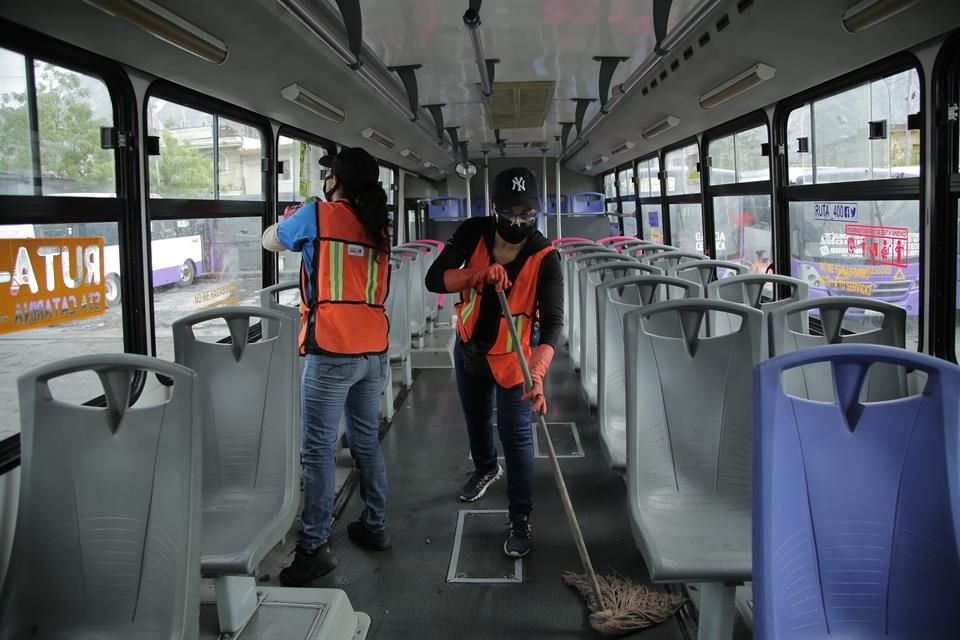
(516, 187)
(353, 165)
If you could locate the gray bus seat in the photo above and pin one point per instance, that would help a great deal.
(398, 312)
(568, 253)
(574, 266)
(614, 299)
(703, 272)
(750, 289)
(670, 260)
(430, 253)
(269, 299)
(788, 332)
(624, 246)
(590, 278)
(249, 436)
(649, 250)
(107, 541)
(689, 450)
(416, 291)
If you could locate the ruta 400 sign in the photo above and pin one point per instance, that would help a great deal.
(46, 281)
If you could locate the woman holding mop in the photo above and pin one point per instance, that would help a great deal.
(503, 252)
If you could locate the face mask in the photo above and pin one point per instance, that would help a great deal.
(328, 194)
(512, 233)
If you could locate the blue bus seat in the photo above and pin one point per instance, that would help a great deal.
(447, 208)
(689, 449)
(564, 203)
(107, 541)
(856, 505)
(788, 332)
(590, 279)
(614, 299)
(588, 202)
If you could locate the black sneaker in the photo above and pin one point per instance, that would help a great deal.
(307, 566)
(363, 537)
(477, 485)
(520, 539)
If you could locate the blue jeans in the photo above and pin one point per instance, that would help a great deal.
(477, 395)
(329, 385)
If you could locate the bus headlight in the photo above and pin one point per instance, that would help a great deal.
(810, 275)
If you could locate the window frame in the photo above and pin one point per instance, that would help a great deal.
(754, 188)
(123, 209)
(657, 200)
(946, 200)
(892, 189)
(682, 198)
(302, 136)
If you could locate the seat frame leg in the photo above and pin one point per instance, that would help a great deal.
(717, 607)
(407, 371)
(386, 398)
(237, 601)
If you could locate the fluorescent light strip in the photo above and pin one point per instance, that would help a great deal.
(375, 136)
(736, 85)
(669, 122)
(411, 155)
(868, 13)
(626, 146)
(311, 102)
(167, 26)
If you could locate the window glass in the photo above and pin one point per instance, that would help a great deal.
(752, 165)
(610, 185)
(387, 182)
(200, 264)
(651, 222)
(683, 177)
(16, 156)
(302, 175)
(656, 188)
(625, 178)
(877, 256)
(629, 208)
(240, 154)
(75, 310)
(723, 162)
(743, 230)
(71, 109)
(957, 320)
(184, 168)
(800, 162)
(686, 227)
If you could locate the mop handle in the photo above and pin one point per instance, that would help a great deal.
(557, 474)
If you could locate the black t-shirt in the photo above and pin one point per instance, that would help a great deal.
(549, 293)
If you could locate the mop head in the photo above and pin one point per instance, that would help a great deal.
(630, 607)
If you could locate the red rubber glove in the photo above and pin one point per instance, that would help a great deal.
(290, 210)
(540, 361)
(463, 279)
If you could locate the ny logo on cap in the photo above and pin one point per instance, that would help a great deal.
(519, 184)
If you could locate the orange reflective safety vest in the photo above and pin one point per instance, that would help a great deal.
(522, 300)
(345, 314)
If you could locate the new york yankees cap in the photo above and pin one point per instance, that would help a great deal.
(516, 187)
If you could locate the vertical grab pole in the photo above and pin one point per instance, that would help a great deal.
(544, 197)
(486, 183)
(557, 176)
(466, 180)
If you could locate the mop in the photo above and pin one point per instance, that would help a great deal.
(617, 605)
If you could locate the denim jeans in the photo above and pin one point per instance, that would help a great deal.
(477, 395)
(330, 385)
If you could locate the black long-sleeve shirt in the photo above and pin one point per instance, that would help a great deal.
(549, 294)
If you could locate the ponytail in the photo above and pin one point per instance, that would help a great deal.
(369, 202)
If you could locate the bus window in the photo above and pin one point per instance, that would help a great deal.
(686, 227)
(302, 174)
(651, 222)
(387, 182)
(683, 174)
(184, 168)
(53, 306)
(610, 186)
(16, 161)
(239, 158)
(629, 209)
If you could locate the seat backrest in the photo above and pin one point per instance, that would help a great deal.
(249, 417)
(416, 290)
(107, 540)
(614, 299)
(560, 242)
(430, 253)
(268, 300)
(624, 246)
(646, 251)
(397, 308)
(669, 260)
(703, 272)
(855, 505)
(574, 266)
(610, 240)
(787, 332)
(567, 253)
(750, 289)
(689, 401)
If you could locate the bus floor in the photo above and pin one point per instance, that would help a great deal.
(405, 589)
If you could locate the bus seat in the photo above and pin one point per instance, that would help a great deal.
(249, 435)
(749, 289)
(559, 242)
(689, 449)
(269, 300)
(856, 508)
(431, 252)
(614, 299)
(107, 541)
(590, 279)
(588, 202)
(567, 252)
(788, 332)
(646, 251)
(399, 314)
(623, 246)
(669, 260)
(416, 292)
(572, 315)
(610, 240)
(703, 272)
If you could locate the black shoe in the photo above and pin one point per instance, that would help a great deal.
(363, 537)
(520, 539)
(307, 566)
(477, 485)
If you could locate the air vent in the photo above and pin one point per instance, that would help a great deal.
(688, 53)
(520, 105)
(663, 75)
(723, 23)
(743, 5)
(674, 65)
(704, 39)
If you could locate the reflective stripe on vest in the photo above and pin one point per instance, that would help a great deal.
(522, 300)
(350, 283)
